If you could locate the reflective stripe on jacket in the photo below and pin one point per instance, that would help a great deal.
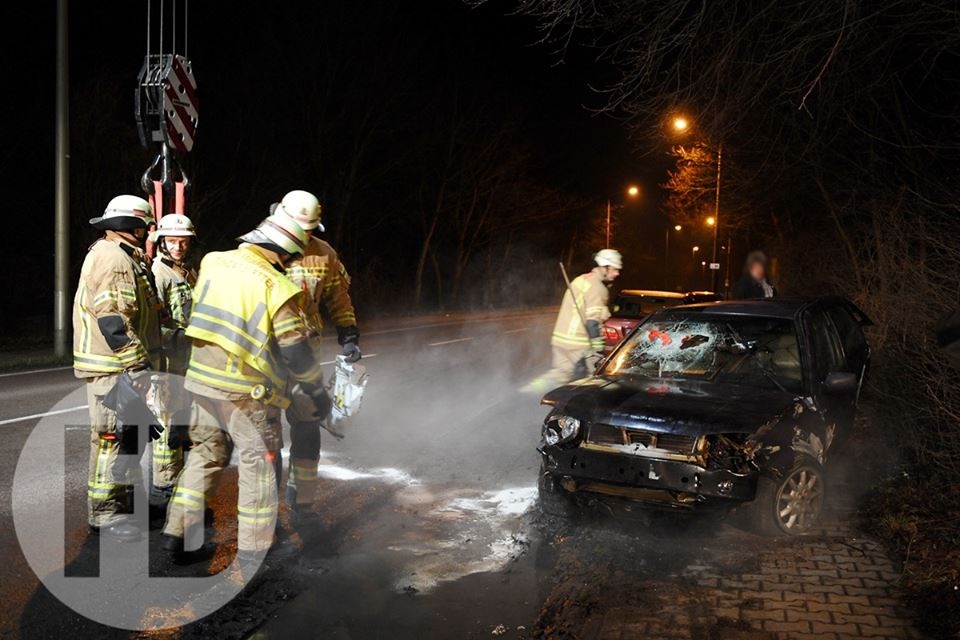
(238, 296)
(114, 281)
(326, 283)
(175, 290)
(592, 297)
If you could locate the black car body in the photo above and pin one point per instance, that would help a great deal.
(713, 405)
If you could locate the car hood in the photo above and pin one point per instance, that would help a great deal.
(681, 407)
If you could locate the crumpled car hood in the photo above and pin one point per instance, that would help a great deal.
(681, 407)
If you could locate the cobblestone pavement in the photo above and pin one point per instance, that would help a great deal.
(715, 581)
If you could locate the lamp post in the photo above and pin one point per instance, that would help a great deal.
(633, 191)
(666, 256)
(682, 125)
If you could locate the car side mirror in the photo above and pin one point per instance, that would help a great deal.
(840, 382)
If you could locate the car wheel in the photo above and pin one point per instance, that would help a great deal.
(791, 504)
(552, 499)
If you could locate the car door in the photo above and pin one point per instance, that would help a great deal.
(849, 326)
(827, 356)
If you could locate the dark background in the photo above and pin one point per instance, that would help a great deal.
(351, 101)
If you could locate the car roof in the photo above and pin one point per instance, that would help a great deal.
(787, 307)
(651, 293)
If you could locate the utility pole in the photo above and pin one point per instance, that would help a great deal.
(716, 217)
(61, 225)
(607, 245)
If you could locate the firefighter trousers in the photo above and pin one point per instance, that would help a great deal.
(109, 484)
(170, 402)
(216, 428)
(568, 364)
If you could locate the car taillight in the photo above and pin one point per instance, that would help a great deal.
(611, 333)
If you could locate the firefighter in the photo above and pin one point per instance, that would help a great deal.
(175, 278)
(116, 329)
(326, 287)
(577, 335)
(248, 338)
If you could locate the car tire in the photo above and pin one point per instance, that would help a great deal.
(791, 504)
(552, 499)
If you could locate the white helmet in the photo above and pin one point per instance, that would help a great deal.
(125, 213)
(609, 258)
(303, 207)
(175, 225)
(279, 230)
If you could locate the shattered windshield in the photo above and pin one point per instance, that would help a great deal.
(761, 352)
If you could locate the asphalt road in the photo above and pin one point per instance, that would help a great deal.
(441, 423)
(427, 526)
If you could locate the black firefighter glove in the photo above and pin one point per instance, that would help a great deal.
(593, 332)
(349, 339)
(178, 433)
(132, 411)
(322, 403)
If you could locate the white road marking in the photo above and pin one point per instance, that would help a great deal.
(440, 344)
(42, 415)
(26, 373)
(517, 330)
(366, 356)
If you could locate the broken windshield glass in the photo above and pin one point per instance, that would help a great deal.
(761, 352)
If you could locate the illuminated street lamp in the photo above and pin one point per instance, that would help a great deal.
(681, 125)
(666, 255)
(633, 191)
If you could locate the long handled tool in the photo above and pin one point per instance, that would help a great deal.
(573, 296)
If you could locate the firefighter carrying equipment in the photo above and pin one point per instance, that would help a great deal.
(125, 213)
(116, 323)
(278, 232)
(591, 295)
(609, 258)
(303, 207)
(239, 296)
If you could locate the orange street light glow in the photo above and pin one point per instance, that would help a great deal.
(711, 221)
(695, 249)
(634, 190)
(681, 124)
(677, 228)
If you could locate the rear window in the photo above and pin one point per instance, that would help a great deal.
(638, 306)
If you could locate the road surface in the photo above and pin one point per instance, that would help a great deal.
(428, 526)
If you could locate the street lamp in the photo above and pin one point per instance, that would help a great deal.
(633, 191)
(666, 255)
(680, 125)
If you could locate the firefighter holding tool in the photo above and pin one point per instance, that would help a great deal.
(577, 334)
(249, 344)
(326, 287)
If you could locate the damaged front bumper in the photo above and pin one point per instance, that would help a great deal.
(669, 483)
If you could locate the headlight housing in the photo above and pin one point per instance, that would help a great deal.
(559, 429)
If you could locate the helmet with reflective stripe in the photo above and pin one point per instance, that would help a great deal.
(303, 207)
(125, 213)
(609, 258)
(175, 225)
(279, 231)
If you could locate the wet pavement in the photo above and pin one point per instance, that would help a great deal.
(427, 527)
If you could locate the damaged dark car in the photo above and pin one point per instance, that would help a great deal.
(730, 404)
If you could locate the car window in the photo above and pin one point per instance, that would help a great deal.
(851, 336)
(636, 306)
(827, 356)
(747, 350)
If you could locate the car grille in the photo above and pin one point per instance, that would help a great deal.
(608, 434)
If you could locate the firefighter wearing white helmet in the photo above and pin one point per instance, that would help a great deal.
(577, 337)
(175, 276)
(116, 329)
(249, 343)
(326, 285)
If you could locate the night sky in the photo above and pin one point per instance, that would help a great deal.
(253, 67)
